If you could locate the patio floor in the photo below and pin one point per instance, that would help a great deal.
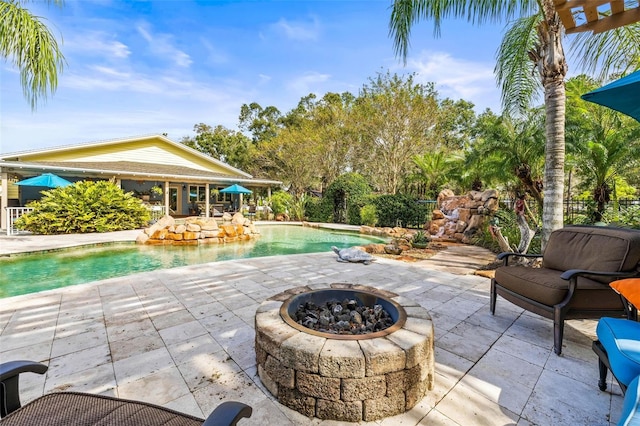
(183, 338)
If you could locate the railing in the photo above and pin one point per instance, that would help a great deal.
(574, 208)
(156, 212)
(13, 213)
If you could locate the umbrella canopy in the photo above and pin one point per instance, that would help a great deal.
(235, 189)
(48, 180)
(623, 95)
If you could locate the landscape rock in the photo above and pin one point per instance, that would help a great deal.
(458, 218)
(197, 230)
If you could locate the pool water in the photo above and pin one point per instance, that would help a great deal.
(45, 271)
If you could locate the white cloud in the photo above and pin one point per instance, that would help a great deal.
(263, 78)
(214, 54)
(297, 30)
(457, 78)
(162, 45)
(98, 43)
(95, 78)
(306, 83)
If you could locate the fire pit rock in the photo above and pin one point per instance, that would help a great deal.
(346, 378)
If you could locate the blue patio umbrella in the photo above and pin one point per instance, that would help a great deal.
(48, 180)
(622, 95)
(235, 189)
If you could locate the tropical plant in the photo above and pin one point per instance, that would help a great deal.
(420, 239)
(437, 168)
(511, 150)
(533, 40)
(281, 202)
(297, 207)
(27, 42)
(602, 143)
(156, 189)
(368, 215)
(85, 206)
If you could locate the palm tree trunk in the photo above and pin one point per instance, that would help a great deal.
(552, 65)
(552, 211)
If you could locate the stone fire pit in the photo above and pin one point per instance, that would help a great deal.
(345, 377)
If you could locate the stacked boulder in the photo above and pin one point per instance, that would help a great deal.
(198, 230)
(458, 218)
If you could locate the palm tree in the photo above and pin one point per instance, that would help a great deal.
(437, 168)
(29, 44)
(511, 149)
(603, 142)
(535, 36)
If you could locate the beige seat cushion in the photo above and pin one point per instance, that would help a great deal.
(545, 286)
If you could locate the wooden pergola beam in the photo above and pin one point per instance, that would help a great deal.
(617, 16)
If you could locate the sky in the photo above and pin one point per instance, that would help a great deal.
(162, 66)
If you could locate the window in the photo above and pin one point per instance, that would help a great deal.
(221, 197)
(197, 194)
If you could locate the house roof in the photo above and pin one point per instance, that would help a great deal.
(596, 15)
(152, 156)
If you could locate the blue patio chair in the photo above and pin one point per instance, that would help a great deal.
(631, 406)
(618, 350)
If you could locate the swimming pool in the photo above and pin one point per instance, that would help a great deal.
(45, 271)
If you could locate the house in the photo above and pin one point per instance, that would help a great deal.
(189, 180)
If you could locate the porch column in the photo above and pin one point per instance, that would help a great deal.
(206, 200)
(165, 191)
(5, 197)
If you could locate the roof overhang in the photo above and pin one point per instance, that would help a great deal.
(596, 15)
(189, 175)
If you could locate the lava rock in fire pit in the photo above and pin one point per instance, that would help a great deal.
(346, 317)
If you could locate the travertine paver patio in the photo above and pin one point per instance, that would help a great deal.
(184, 337)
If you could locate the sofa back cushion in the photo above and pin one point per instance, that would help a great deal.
(595, 248)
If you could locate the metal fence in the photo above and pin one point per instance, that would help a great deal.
(574, 209)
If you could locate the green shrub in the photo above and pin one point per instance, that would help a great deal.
(353, 213)
(627, 218)
(368, 215)
(400, 210)
(345, 196)
(84, 207)
(281, 202)
(317, 211)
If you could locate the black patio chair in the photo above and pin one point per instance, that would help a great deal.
(75, 408)
(252, 212)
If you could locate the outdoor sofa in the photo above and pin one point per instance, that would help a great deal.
(74, 408)
(577, 265)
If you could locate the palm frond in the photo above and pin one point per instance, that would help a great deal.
(407, 13)
(514, 70)
(27, 42)
(614, 51)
